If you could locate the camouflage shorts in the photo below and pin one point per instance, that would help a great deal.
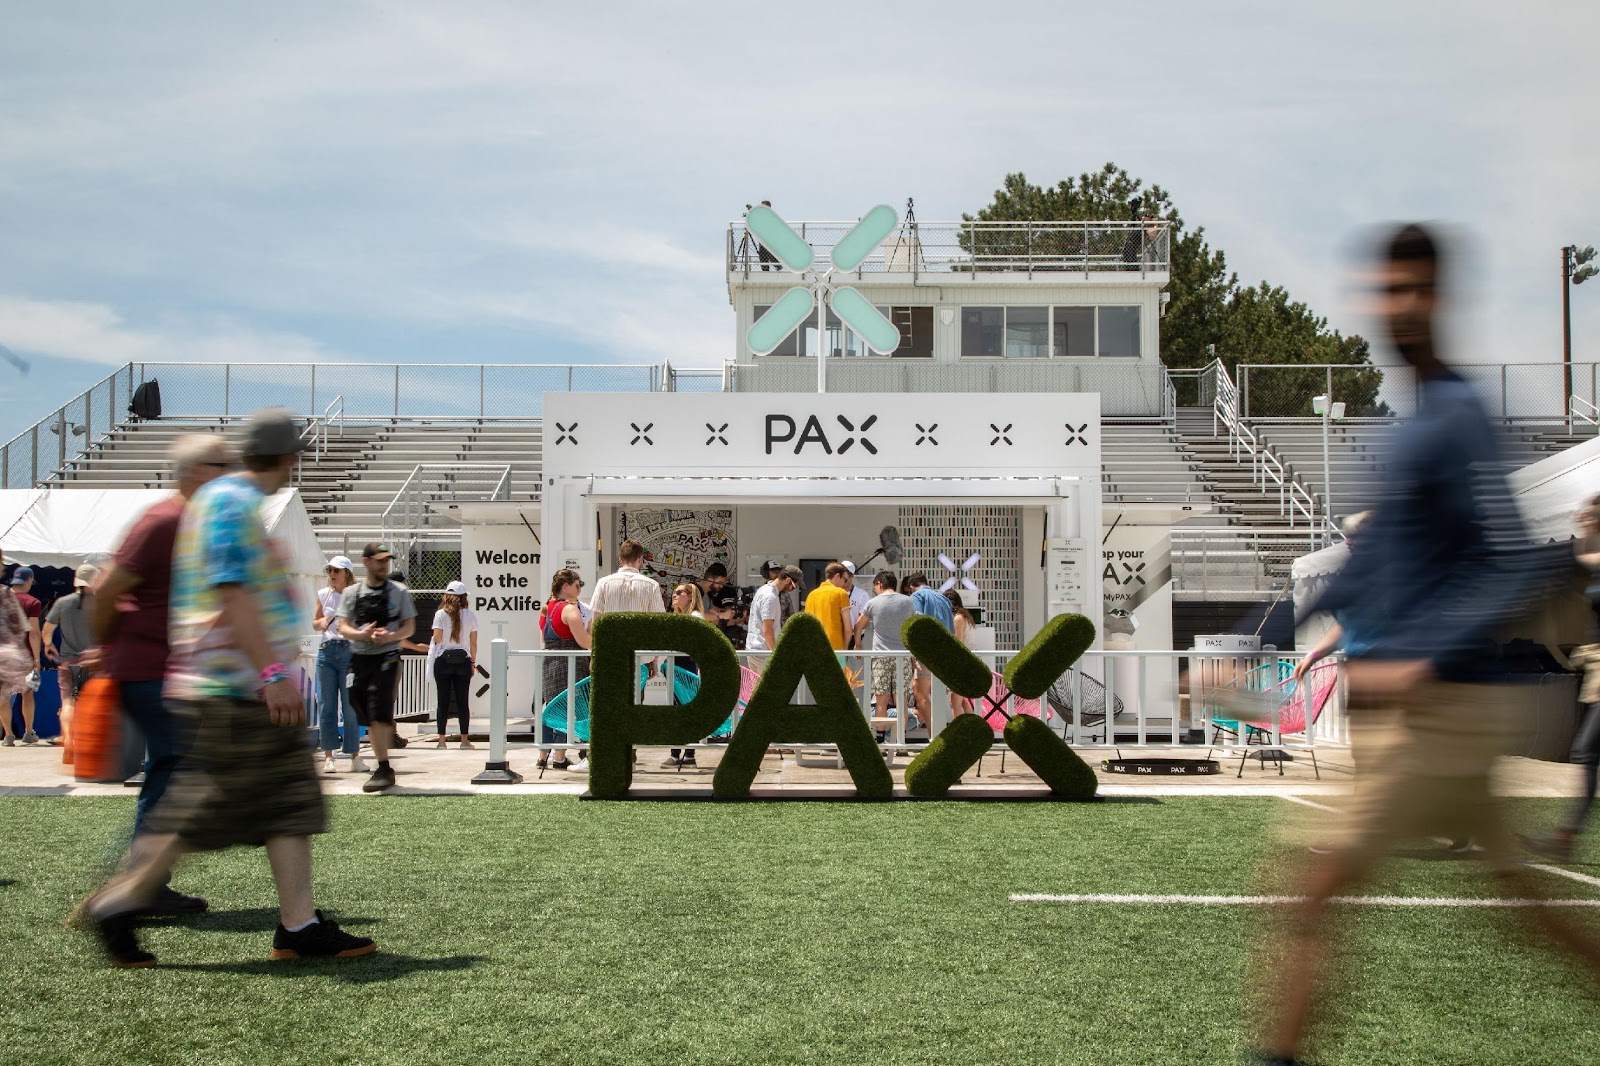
(241, 780)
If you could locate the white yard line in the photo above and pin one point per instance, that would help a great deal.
(1571, 875)
(1311, 803)
(1269, 901)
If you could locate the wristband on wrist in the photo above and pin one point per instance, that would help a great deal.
(274, 673)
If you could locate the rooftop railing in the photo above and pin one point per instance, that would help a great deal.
(976, 248)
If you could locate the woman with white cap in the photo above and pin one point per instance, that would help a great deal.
(453, 654)
(333, 670)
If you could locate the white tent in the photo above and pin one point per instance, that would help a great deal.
(1550, 490)
(65, 527)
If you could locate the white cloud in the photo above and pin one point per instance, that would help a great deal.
(97, 333)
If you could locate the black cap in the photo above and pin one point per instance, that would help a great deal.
(769, 566)
(272, 431)
(375, 549)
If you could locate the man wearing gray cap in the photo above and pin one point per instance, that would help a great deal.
(247, 776)
(129, 613)
(70, 616)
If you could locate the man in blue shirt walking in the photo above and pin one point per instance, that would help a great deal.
(1444, 563)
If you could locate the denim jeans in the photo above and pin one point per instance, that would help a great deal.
(142, 702)
(333, 664)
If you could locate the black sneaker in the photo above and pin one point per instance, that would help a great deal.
(400, 741)
(382, 778)
(170, 901)
(117, 937)
(321, 939)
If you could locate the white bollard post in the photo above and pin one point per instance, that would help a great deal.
(497, 771)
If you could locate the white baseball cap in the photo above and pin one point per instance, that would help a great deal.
(84, 575)
(341, 562)
(848, 565)
(455, 588)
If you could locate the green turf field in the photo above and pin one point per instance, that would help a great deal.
(550, 930)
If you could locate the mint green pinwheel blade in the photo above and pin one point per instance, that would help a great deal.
(781, 318)
(776, 236)
(881, 335)
(864, 237)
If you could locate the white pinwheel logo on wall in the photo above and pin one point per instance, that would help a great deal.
(792, 308)
(958, 574)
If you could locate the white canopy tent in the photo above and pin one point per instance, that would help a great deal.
(66, 527)
(1550, 490)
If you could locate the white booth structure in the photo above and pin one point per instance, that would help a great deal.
(797, 477)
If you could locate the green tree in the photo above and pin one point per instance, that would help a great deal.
(1207, 305)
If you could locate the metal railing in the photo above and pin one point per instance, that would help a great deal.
(1237, 562)
(62, 436)
(1517, 393)
(317, 430)
(411, 512)
(437, 391)
(1265, 466)
(1136, 390)
(1106, 700)
(1582, 412)
(980, 247)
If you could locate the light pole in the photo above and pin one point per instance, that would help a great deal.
(1575, 270)
(1329, 411)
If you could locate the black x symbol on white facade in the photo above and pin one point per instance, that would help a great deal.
(927, 433)
(567, 433)
(850, 441)
(642, 434)
(1077, 434)
(1000, 433)
(1134, 574)
(716, 433)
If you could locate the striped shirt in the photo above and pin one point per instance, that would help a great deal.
(627, 590)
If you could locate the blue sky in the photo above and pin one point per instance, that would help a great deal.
(550, 183)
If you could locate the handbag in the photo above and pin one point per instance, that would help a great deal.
(455, 657)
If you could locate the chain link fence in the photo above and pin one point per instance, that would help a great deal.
(66, 434)
(1533, 393)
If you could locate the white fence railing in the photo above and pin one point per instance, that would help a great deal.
(1107, 700)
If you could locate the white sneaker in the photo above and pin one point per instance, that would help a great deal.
(579, 767)
(357, 766)
(329, 766)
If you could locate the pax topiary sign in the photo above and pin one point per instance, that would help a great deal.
(771, 716)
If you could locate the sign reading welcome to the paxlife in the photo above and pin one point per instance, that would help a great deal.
(819, 435)
(500, 565)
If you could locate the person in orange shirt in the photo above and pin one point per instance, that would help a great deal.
(830, 602)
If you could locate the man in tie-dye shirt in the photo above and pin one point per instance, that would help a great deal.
(247, 777)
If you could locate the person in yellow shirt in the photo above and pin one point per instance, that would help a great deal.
(830, 602)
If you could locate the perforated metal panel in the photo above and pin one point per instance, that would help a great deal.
(993, 532)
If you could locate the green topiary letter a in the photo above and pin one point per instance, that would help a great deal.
(803, 651)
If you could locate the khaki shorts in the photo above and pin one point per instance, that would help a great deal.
(242, 780)
(1424, 768)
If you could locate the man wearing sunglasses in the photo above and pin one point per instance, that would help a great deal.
(129, 615)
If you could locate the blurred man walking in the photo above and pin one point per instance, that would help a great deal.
(248, 777)
(1444, 563)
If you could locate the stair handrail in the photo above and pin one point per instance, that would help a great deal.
(1264, 463)
(316, 432)
(1581, 410)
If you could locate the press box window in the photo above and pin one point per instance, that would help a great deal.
(1119, 331)
(1073, 332)
(914, 323)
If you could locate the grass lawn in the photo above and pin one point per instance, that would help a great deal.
(550, 930)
